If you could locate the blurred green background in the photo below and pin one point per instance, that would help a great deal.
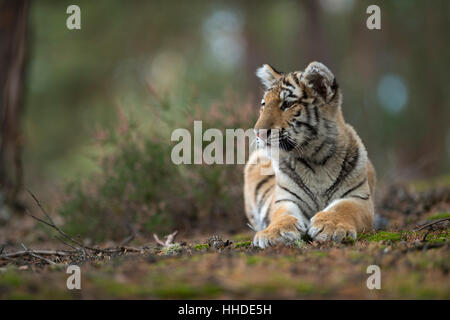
(153, 66)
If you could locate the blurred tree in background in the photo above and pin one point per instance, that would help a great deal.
(159, 61)
(13, 54)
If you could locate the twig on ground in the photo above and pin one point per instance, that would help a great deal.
(134, 233)
(50, 223)
(67, 244)
(425, 236)
(128, 239)
(77, 246)
(169, 239)
(41, 252)
(125, 248)
(33, 254)
(432, 223)
(426, 246)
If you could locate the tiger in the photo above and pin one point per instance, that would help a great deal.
(321, 184)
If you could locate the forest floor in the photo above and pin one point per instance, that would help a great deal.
(412, 254)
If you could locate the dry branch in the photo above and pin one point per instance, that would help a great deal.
(36, 255)
(40, 252)
(50, 223)
(169, 239)
(432, 223)
(77, 247)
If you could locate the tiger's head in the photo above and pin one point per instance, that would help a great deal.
(299, 110)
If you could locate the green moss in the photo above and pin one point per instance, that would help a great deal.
(438, 216)
(243, 244)
(52, 293)
(299, 244)
(425, 185)
(201, 246)
(116, 289)
(439, 238)
(11, 278)
(26, 286)
(381, 236)
(172, 249)
(412, 285)
(349, 241)
(21, 296)
(252, 260)
(184, 291)
(319, 254)
(356, 256)
(240, 237)
(311, 289)
(305, 288)
(270, 284)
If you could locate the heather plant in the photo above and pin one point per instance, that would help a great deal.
(137, 187)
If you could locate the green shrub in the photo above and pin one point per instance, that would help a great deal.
(138, 186)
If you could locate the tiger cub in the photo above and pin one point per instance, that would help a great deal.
(321, 183)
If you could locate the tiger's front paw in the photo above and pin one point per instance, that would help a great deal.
(284, 230)
(325, 226)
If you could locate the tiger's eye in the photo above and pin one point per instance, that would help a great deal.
(286, 105)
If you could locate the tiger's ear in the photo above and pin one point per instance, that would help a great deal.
(321, 80)
(268, 75)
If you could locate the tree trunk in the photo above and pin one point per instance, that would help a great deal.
(13, 40)
(313, 42)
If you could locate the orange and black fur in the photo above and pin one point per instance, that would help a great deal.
(322, 182)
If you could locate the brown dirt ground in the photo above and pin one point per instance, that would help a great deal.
(414, 264)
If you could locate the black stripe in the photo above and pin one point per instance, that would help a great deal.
(298, 180)
(366, 197)
(331, 151)
(292, 95)
(297, 197)
(288, 200)
(266, 216)
(307, 140)
(319, 148)
(297, 82)
(303, 96)
(306, 164)
(354, 188)
(288, 90)
(307, 125)
(261, 183)
(349, 163)
(308, 114)
(261, 201)
(288, 85)
(334, 87)
(328, 156)
(316, 113)
(330, 140)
